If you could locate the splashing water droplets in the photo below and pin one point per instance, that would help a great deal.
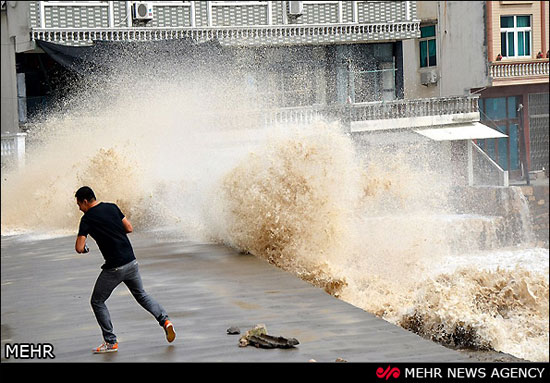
(372, 227)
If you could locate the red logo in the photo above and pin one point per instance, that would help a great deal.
(388, 372)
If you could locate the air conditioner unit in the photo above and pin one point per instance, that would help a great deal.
(295, 8)
(142, 10)
(429, 77)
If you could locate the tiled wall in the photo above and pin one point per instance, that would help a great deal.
(255, 13)
(201, 14)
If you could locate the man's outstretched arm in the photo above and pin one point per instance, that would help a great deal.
(80, 245)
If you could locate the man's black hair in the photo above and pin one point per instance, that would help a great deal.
(85, 193)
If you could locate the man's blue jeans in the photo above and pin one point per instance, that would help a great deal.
(106, 282)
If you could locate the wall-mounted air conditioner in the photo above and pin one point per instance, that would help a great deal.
(295, 8)
(429, 77)
(142, 10)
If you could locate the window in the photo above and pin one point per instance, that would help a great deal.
(427, 46)
(373, 84)
(285, 77)
(501, 113)
(515, 36)
(284, 87)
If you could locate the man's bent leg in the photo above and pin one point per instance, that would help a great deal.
(104, 286)
(135, 285)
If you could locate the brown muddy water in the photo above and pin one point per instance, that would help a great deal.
(370, 228)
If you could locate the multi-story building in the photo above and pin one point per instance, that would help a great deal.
(450, 56)
(498, 49)
(357, 44)
(516, 101)
(353, 58)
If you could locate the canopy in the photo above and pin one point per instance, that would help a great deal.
(470, 131)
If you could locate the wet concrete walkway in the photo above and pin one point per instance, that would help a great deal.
(206, 289)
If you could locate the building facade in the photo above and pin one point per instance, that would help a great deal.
(499, 50)
(450, 56)
(516, 102)
(353, 46)
(376, 66)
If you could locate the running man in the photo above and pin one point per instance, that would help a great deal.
(108, 226)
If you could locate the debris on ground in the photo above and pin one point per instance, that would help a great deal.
(340, 360)
(258, 337)
(233, 330)
(259, 329)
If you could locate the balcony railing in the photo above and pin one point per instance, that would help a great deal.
(519, 69)
(423, 107)
(232, 34)
(374, 111)
(386, 113)
(13, 149)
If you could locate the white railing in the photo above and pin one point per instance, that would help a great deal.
(449, 110)
(436, 106)
(466, 106)
(299, 115)
(503, 69)
(221, 32)
(13, 145)
(486, 171)
(13, 148)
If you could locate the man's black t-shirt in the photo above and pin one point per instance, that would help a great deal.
(104, 224)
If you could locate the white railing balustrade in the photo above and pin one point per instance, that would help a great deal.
(13, 145)
(88, 35)
(381, 110)
(300, 115)
(13, 148)
(366, 111)
(503, 69)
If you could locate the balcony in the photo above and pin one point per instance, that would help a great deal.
(404, 114)
(519, 72)
(457, 117)
(235, 35)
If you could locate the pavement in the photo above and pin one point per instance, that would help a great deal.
(205, 288)
(538, 181)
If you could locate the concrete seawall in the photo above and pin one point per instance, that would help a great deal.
(537, 196)
(519, 213)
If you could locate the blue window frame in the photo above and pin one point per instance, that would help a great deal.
(501, 114)
(428, 50)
